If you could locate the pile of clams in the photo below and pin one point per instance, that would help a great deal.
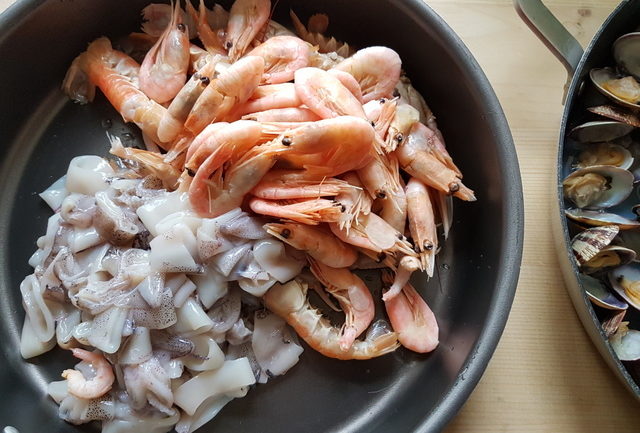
(602, 198)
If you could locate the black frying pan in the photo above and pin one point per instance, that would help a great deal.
(579, 95)
(40, 131)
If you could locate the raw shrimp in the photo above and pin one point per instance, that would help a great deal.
(210, 37)
(317, 25)
(421, 163)
(284, 184)
(96, 387)
(246, 19)
(406, 266)
(325, 95)
(318, 243)
(377, 69)
(164, 69)
(412, 319)
(184, 101)
(422, 223)
(290, 302)
(283, 115)
(231, 88)
(115, 74)
(310, 211)
(283, 55)
(224, 142)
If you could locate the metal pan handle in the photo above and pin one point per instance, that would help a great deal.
(553, 34)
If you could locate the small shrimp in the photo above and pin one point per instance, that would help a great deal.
(349, 82)
(149, 163)
(317, 25)
(93, 388)
(283, 55)
(181, 106)
(157, 16)
(309, 211)
(222, 143)
(194, 143)
(116, 75)
(406, 266)
(318, 243)
(422, 223)
(272, 96)
(381, 177)
(420, 162)
(381, 112)
(355, 200)
(377, 69)
(283, 115)
(352, 294)
(283, 185)
(210, 36)
(412, 319)
(405, 117)
(198, 57)
(232, 87)
(215, 190)
(246, 20)
(289, 301)
(325, 95)
(164, 69)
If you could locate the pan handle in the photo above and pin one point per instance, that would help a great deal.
(553, 34)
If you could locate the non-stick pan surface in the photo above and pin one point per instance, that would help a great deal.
(40, 131)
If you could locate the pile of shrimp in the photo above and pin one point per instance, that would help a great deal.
(334, 146)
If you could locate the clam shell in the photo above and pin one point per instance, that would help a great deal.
(587, 244)
(612, 324)
(601, 76)
(597, 218)
(619, 114)
(621, 279)
(626, 344)
(620, 182)
(600, 295)
(602, 260)
(607, 153)
(625, 53)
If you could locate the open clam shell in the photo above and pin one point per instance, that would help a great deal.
(625, 53)
(598, 187)
(626, 343)
(587, 244)
(608, 258)
(605, 154)
(625, 281)
(600, 76)
(620, 114)
(599, 131)
(611, 325)
(600, 295)
(597, 218)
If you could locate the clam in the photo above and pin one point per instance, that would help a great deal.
(625, 281)
(626, 343)
(600, 295)
(604, 154)
(597, 218)
(619, 114)
(612, 324)
(599, 131)
(624, 91)
(598, 186)
(594, 252)
(625, 53)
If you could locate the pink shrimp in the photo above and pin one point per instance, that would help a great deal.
(352, 294)
(412, 319)
(101, 383)
(115, 74)
(272, 96)
(286, 184)
(305, 211)
(231, 88)
(283, 115)
(149, 163)
(290, 302)
(356, 201)
(164, 69)
(283, 55)
(194, 144)
(325, 95)
(349, 82)
(318, 243)
(377, 69)
(422, 223)
(212, 38)
(157, 16)
(406, 266)
(420, 162)
(246, 19)
(381, 112)
(403, 120)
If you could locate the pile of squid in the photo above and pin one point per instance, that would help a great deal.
(315, 158)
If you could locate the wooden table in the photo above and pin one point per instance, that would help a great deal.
(545, 376)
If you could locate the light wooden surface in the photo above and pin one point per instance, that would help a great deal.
(545, 376)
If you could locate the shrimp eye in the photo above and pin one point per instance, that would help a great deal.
(191, 172)
(181, 27)
(343, 208)
(381, 257)
(454, 187)
(383, 100)
(285, 233)
(399, 138)
(286, 141)
(373, 123)
(396, 93)
(428, 246)
(228, 45)
(205, 81)
(381, 194)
